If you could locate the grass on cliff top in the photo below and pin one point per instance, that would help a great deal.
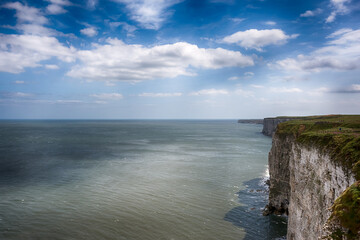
(338, 135)
(346, 209)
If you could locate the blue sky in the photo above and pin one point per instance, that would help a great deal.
(175, 59)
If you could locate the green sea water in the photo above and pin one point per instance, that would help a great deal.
(134, 180)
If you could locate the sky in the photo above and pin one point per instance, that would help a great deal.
(178, 59)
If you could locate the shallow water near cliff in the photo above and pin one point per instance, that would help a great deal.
(134, 180)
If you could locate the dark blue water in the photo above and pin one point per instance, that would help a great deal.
(134, 180)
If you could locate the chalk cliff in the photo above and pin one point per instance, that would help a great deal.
(270, 125)
(310, 166)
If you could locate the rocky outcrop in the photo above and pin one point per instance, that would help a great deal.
(305, 182)
(270, 125)
(279, 187)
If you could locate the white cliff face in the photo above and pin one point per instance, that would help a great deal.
(315, 182)
(309, 181)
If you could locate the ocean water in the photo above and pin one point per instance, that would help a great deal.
(134, 180)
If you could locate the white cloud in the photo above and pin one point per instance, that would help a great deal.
(310, 13)
(90, 31)
(51, 66)
(160, 94)
(256, 86)
(355, 87)
(318, 91)
(57, 6)
(130, 29)
(20, 51)
(249, 74)
(257, 39)
(339, 8)
(270, 23)
(233, 78)
(31, 20)
(19, 82)
(108, 96)
(342, 53)
(149, 13)
(55, 9)
(100, 102)
(35, 29)
(21, 94)
(92, 3)
(237, 20)
(285, 90)
(340, 32)
(27, 14)
(211, 92)
(117, 61)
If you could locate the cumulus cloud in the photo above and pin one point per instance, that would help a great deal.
(20, 51)
(108, 96)
(257, 39)
(30, 20)
(27, 14)
(117, 61)
(342, 52)
(149, 13)
(311, 13)
(339, 8)
(90, 31)
(211, 92)
(177, 94)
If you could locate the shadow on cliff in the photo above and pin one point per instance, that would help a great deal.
(249, 216)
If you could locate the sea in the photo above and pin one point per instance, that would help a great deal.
(134, 179)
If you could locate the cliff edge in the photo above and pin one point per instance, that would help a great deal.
(314, 167)
(270, 124)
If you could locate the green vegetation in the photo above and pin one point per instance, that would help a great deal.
(346, 210)
(337, 135)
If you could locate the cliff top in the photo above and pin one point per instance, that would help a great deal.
(338, 135)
